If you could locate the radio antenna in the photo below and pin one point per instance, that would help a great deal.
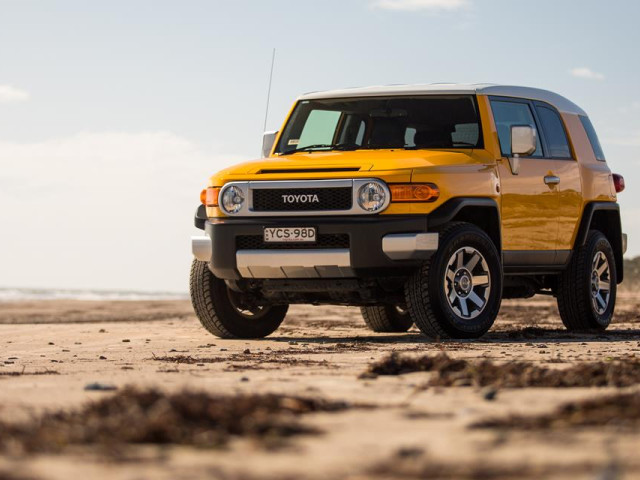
(266, 113)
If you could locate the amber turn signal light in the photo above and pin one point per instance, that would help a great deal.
(209, 196)
(414, 192)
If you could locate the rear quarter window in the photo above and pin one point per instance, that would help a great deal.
(593, 138)
(554, 133)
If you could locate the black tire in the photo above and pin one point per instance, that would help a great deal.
(426, 292)
(577, 298)
(214, 307)
(386, 319)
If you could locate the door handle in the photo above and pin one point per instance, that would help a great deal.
(551, 180)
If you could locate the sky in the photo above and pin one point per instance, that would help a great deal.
(114, 114)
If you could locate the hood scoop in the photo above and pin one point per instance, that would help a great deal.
(309, 170)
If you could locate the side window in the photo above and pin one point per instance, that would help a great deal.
(319, 128)
(506, 114)
(593, 138)
(554, 133)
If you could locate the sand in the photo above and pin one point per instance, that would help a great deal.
(393, 426)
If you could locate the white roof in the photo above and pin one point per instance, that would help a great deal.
(558, 101)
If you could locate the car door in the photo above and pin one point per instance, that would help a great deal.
(566, 170)
(529, 195)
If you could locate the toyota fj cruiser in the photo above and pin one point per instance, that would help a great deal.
(420, 204)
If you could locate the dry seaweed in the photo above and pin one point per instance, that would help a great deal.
(412, 463)
(396, 364)
(135, 416)
(14, 373)
(5, 475)
(620, 411)
(453, 372)
(188, 359)
(246, 361)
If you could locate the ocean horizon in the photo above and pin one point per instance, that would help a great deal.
(18, 294)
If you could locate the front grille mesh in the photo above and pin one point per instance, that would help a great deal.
(271, 200)
(255, 242)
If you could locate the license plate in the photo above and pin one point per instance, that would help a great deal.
(289, 234)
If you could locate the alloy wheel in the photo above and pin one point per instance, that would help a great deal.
(600, 283)
(467, 283)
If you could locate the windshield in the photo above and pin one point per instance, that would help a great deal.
(382, 123)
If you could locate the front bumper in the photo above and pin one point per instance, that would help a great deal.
(378, 246)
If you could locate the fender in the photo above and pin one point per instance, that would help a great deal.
(454, 209)
(449, 209)
(612, 229)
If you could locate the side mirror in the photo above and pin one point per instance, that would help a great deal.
(268, 138)
(523, 143)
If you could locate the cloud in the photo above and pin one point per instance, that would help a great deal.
(585, 72)
(10, 93)
(416, 5)
(106, 210)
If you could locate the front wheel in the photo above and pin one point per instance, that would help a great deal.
(587, 287)
(457, 292)
(229, 314)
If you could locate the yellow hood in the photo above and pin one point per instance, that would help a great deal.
(339, 164)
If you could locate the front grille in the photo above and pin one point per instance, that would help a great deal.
(280, 200)
(327, 240)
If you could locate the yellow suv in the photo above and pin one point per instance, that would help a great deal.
(423, 204)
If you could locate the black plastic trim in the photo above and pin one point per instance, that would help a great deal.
(563, 257)
(615, 236)
(200, 217)
(533, 269)
(454, 209)
(535, 261)
(309, 170)
(365, 232)
(448, 210)
(529, 257)
(587, 216)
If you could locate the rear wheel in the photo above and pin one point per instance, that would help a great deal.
(229, 314)
(587, 288)
(458, 291)
(387, 318)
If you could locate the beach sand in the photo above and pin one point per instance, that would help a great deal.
(387, 426)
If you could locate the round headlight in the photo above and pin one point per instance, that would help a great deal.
(232, 199)
(371, 196)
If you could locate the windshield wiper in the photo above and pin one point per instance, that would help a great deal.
(442, 147)
(335, 146)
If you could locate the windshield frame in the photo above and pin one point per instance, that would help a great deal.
(279, 150)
